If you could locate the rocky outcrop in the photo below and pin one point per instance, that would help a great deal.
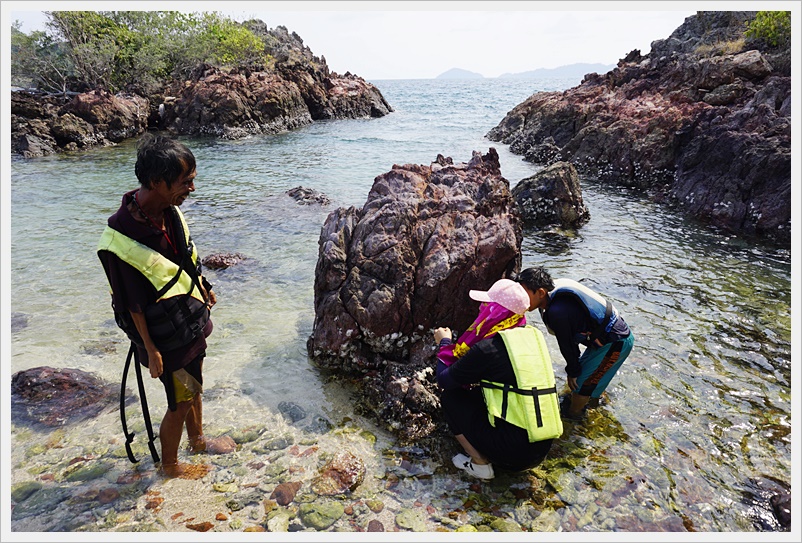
(233, 105)
(45, 125)
(293, 90)
(390, 272)
(703, 122)
(55, 397)
(244, 101)
(553, 196)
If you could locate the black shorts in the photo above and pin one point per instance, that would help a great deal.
(184, 384)
(504, 444)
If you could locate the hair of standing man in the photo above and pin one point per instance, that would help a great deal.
(160, 158)
(535, 278)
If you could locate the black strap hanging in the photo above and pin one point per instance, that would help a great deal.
(129, 436)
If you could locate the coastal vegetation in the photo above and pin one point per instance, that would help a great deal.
(129, 50)
(772, 26)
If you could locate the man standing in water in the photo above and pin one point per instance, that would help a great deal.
(576, 315)
(159, 297)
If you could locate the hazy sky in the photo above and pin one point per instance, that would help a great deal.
(416, 39)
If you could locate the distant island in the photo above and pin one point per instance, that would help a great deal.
(457, 73)
(578, 70)
(572, 70)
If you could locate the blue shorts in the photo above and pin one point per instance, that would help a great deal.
(599, 365)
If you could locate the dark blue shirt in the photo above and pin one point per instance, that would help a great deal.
(568, 319)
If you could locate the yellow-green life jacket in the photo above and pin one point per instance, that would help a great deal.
(532, 403)
(179, 313)
(157, 268)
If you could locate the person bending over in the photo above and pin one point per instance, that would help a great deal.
(576, 315)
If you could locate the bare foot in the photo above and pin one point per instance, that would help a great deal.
(185, 471)
(212, 445)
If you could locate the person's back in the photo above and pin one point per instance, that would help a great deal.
(465, 409)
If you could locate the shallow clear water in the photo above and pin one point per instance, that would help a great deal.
(700, 412)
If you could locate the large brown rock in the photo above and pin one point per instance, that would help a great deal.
(691, 124)
(250, 101)
(115, 117)
(235, 104)
(390, 272)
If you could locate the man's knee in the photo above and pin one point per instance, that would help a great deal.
(182, 408)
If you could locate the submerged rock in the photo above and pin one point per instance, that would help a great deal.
(341, 474)
(321, 513)
(781, 505)
(389, 273)
(55, 397)
(221, 261)
(285, 493)
(306, 196)
(19, 321)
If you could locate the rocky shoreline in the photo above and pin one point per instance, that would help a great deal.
(702, 123)
(296, 91)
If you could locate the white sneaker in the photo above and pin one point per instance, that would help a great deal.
(480, 471)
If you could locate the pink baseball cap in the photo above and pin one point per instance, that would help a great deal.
(507, 293)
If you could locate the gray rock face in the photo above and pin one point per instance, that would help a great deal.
(703, 129)
(387, 274)
(552, 196)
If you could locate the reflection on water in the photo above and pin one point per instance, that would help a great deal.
(696, 431)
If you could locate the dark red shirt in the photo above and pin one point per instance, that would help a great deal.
(131, 291)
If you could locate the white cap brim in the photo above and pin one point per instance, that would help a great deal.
(480, 296)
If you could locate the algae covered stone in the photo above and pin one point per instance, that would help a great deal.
(412, 519)
(321, 514)
(22, 491)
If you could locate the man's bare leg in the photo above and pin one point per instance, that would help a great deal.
(170, 431)
(197, 441)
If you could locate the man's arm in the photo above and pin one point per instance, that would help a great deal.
(565, 326)
(155, 364)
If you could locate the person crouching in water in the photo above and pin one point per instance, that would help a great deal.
(576, 315)
(488, 399)
(159, 297)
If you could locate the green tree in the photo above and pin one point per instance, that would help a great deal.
(92, 44)
(38, 61)
(774, 27)
(229, 42)
(141, 49)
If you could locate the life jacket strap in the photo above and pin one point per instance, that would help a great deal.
(129, 436)
(534, 392)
